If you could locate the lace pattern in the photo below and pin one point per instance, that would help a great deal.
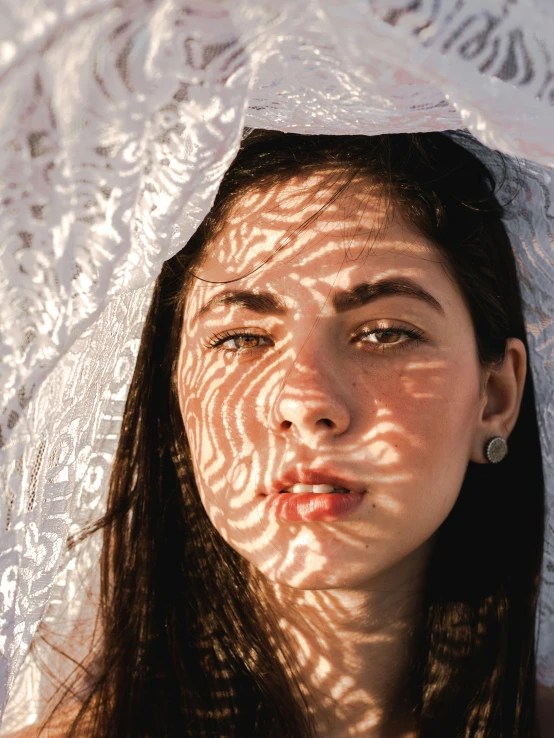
(117, 123)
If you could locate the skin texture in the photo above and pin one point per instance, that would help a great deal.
(310, 394)
(304, 388)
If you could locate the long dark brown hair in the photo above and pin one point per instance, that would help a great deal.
(185, 649)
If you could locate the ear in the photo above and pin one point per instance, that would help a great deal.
(502, 393)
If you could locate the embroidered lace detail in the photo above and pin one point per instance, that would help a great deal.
(117, 123)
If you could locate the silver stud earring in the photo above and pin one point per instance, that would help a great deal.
(496, 449)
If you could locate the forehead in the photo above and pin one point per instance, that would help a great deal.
(307, 229)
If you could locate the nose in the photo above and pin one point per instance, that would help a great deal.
(311, 402)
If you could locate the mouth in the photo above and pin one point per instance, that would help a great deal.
(314, 496)
(302, 481)
(316, 489)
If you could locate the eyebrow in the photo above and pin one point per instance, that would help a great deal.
(367, 292)
(266, 303)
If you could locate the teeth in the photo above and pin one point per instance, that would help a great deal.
(318, 489)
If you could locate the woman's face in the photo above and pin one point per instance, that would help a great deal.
(347, 360)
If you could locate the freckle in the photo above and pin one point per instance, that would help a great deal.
(372, 504)
(367, 545)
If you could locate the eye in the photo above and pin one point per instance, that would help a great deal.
(238, 342)
(391, 336)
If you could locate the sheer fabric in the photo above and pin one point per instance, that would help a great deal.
(118, 120)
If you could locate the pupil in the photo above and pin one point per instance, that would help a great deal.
(247, 341)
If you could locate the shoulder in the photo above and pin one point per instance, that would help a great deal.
(55, 728)
(38, 731)
(545, 704)
(30, 732)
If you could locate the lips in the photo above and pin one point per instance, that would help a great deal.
(326, 480)
(315, 489)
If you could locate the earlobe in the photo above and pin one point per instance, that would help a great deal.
(501, 403)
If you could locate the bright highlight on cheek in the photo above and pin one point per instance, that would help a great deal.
(301, 365)
(383, 453)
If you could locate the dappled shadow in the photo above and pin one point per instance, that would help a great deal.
(331, 347)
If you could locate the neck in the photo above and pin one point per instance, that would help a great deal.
(351, 651)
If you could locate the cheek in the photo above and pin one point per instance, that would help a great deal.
(427, 414)
(435, 406)
(410, 435)
(223, 414)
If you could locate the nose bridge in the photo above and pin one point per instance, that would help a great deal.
(311, 395)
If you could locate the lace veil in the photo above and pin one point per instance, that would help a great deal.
(118, 119)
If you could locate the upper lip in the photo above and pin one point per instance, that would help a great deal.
(315, 476)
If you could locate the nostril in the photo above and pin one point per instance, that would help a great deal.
(286, 424)
(328, 423)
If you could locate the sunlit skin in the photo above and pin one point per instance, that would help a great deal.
(389, 393)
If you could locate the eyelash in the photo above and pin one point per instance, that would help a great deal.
(414, 335)
(217, 341)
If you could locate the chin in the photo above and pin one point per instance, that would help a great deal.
(315, 576)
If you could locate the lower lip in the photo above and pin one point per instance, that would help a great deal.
(311, 507)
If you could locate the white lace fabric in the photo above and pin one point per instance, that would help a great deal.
(117, 123)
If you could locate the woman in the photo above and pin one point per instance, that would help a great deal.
(314, 528)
